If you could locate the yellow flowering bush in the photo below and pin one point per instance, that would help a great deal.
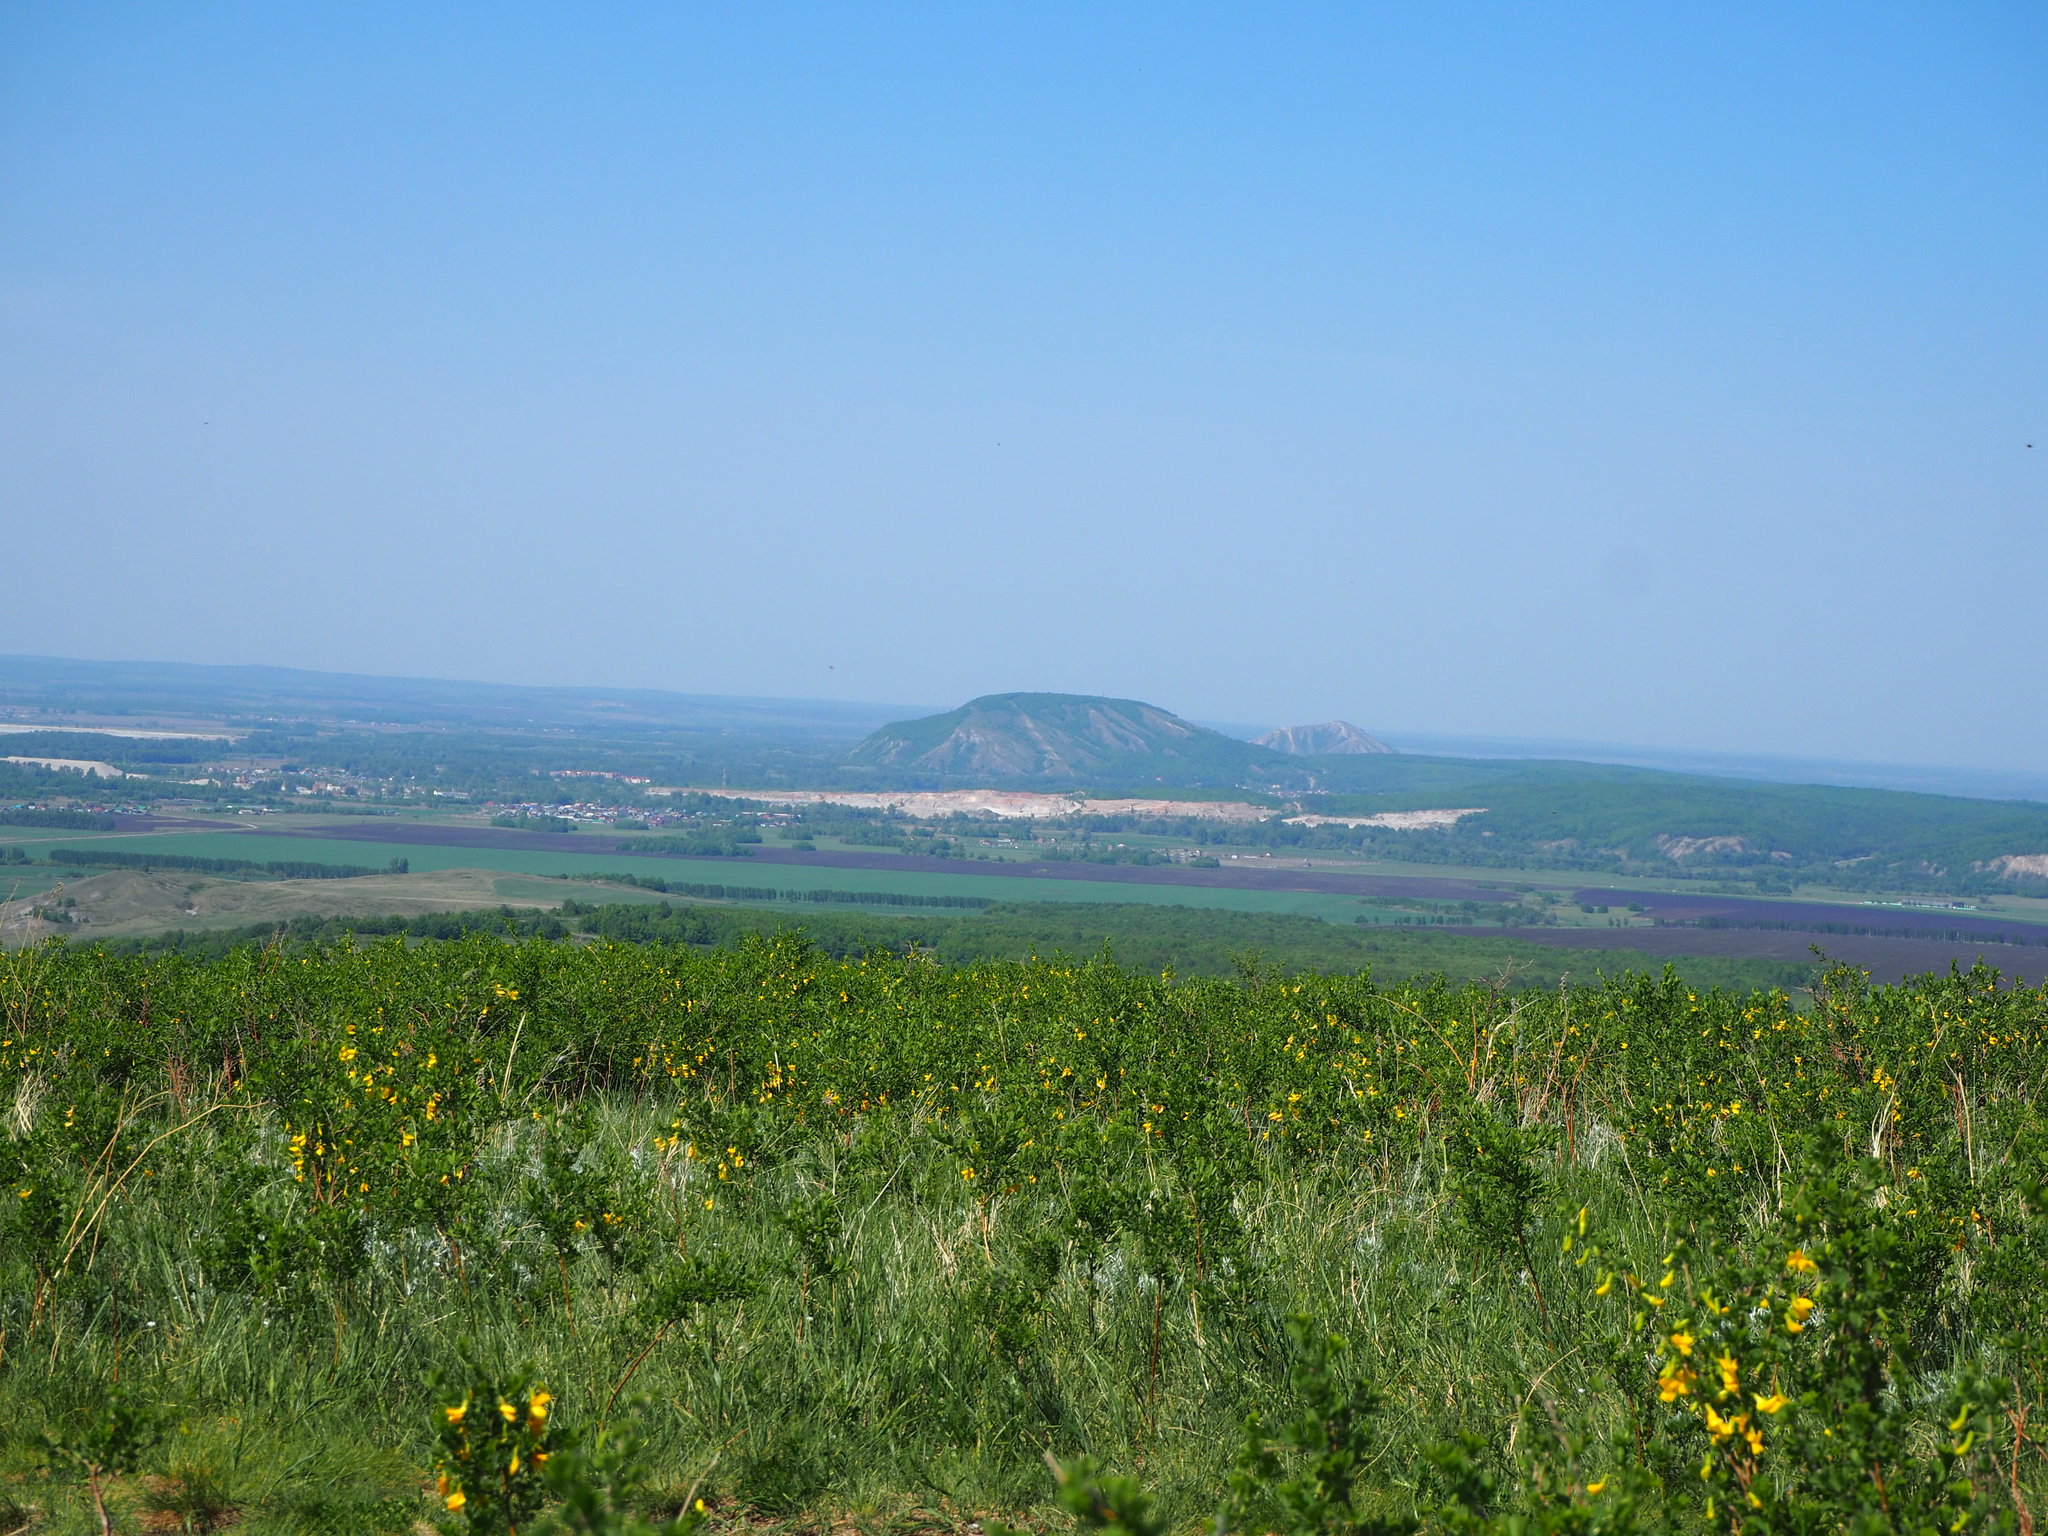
(489, 1474)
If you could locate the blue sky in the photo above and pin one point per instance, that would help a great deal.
(1658, 374)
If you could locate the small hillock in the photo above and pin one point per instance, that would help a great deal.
(1333, 738)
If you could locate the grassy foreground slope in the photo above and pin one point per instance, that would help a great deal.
(864, 1237)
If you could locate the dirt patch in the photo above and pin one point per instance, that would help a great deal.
(1011, 804)
(92, 768)
(1398, 821)
(1675, 847)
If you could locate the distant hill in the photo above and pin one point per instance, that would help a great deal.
(1599, 819)
(255, 697)
(1060, 737)
(1333, 738)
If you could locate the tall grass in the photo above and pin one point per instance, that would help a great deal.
(868, 1239)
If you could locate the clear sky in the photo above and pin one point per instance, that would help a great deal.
(1649, 373)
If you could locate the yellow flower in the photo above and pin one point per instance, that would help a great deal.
(1730, 1383)
(1801, 1309)
(455, 1500)
(537, 1408)
(506, 1411)
(1597, 1487)
(1605, 1285)
(1717, 1426)
(1674, 1382)
(1756, 1442)
(455, 1413)
(1800, 1264)
(1682, 1342)
(512, 1470)
(1775, 1403)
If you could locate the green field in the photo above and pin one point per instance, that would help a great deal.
(18, 881)
(1145, 926)
(426, 857)
(2006, 904)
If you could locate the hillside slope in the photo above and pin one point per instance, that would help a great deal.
(1333, 738)
(1062, 737)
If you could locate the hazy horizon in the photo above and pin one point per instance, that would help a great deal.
(1585, 376)
(1922, 777)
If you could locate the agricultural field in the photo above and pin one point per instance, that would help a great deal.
(1696, 922)
(888, 875)
(494, 1236)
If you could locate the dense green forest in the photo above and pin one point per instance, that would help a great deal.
(279, 869)
(719, 842)
(1582, 817)
(66, 821)
(1577, 816)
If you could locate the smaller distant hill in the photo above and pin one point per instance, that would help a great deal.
(1333, 738)
(1062, 737)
